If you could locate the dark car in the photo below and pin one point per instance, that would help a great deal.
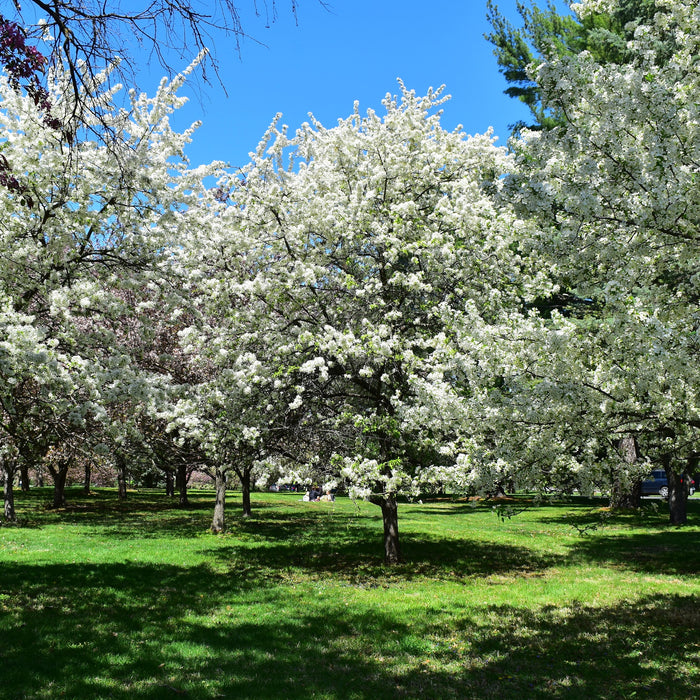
(657, 483)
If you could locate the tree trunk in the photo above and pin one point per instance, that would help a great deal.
(169, 484)
(677, 496)
(121, 476)
(88, 477)
(59, 476)
(24, 476)
(624, 493)
(8, 492)
(182, 484)
(219, 522)
(692, 470)
(390, 517)
(245, 489)
(498, 491)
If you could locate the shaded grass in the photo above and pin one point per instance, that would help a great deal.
(138, 600)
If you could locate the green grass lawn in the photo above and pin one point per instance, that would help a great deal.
(138, 600)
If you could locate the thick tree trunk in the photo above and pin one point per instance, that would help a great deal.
(121, 476)
(245, 489)
(59, 476)
(8, 492)
(498, 491)
(182, 484)
(390, 518)
(677, 496)
(218, 524)
(169, 484)
(624, 493)
(24, 476)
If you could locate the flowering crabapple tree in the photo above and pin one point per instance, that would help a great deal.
(369, 251)
(144, 327)
(24, 66)
(35, 384)
(239, 418)
(238, 409)
(615, 190)
(82, 228)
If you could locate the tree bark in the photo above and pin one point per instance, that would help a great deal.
(182, 484)
(8, 491)
(88, 477)
(59, 476)
(120, 463)
(625, 494)
(218, 523)
(390, 518)
(677, 496)
(244, 476)
(24, 476)
(498, 491)
(169, 484)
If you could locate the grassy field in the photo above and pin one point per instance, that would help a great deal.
(138, 600)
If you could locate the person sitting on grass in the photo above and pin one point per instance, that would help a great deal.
(314, 494)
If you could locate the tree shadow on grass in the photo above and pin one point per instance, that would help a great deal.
(141, 515)
(671, 552)
(104, 503)
(133, 631)
(354, 554)
(644, 649)
(467, 505)
(609, 538)
(150, 514)
(652, 513)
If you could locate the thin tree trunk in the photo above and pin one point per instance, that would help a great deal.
(88, 477)
(390, 518)
(8, 492)
(121, 476)
(219, 522)
(244, 476)
(182, 484)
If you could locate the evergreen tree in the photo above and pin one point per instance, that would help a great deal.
(546, 34)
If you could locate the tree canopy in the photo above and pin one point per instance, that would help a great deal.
(614, 188)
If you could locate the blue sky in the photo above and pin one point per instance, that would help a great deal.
(351, 51)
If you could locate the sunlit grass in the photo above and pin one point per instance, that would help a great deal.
(139, 600)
